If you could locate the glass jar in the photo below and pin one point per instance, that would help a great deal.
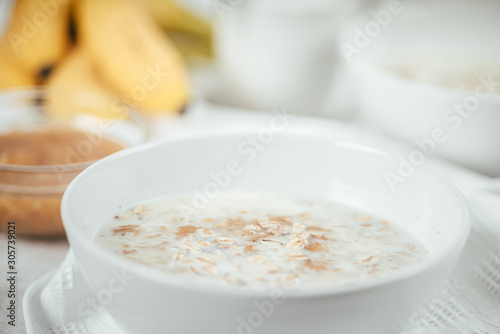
(30, 195)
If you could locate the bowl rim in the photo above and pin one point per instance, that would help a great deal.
(151, 274)
(39, 92)
(366, 67)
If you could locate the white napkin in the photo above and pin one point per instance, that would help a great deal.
(469, 303)
(51, 304)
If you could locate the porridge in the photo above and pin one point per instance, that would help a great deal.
(464, 74)
(261, 241)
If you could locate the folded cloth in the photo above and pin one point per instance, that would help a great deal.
(469, 303)
(61, 303)
(54, 303)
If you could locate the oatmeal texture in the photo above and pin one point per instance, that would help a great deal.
(261, 241)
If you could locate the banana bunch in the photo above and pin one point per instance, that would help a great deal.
(13, 75)
(34, 40)
(113, 49)
(191, 34)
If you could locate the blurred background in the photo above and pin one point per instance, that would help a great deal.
(395, 66)
(425, 72)
(262, 53)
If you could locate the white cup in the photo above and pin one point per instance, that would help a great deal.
(277, 53)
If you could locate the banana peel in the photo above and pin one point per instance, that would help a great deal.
(121, 53)
(74, 87)
(36, 36)
(172, 16)
(12, 75)
(132, 55)
(193, 47)
(190, 33)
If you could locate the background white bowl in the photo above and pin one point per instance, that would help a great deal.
(411, 109)
(309, 158)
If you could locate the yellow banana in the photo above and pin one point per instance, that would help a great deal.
(172, 16)
(131, 54)
(193, 47)
(11, 75)
(37, 35)
(191, 34)
(74, 83)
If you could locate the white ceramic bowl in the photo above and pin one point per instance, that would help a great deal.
(411, 109)
(308, 158)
